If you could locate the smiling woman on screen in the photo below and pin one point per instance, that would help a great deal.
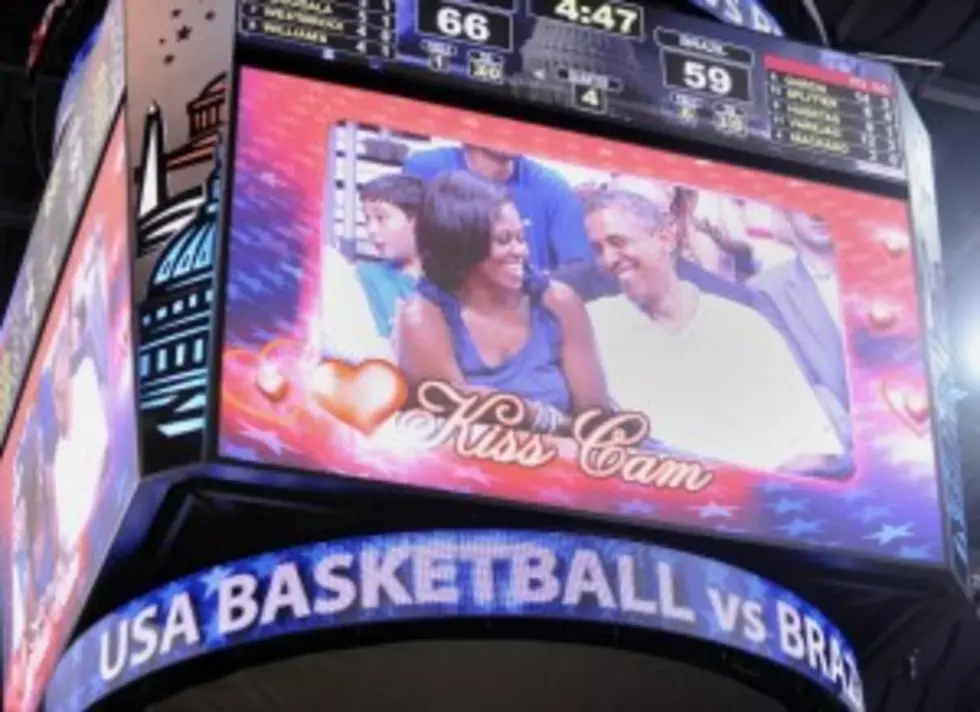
(483, 319)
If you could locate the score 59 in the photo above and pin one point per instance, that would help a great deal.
(465, 23)
(723, 80)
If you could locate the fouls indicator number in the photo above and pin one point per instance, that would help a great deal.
(589, 98)
(465, 23)
(725, 81)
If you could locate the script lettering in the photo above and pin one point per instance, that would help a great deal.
(492, 428)
(608, 448)
(462, 425)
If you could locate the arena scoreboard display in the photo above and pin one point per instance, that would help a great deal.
(594, 163)
(627, 61)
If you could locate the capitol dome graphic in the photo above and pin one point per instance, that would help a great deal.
(179, 233)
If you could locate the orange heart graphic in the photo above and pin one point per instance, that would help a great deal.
(363, 396)
(911, 406)
(276, 408)
(271, 382)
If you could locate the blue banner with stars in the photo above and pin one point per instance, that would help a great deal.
(446, 574)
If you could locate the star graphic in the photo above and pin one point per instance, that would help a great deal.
(785, 505)
(888, 533)
(212, 580)
(183, 33)
(800, 527)
(169, 59)
(265, 565)
(713, 510)
(209, 15)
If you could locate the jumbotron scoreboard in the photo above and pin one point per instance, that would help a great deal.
(626, 61)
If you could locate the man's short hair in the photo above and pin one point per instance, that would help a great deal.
(403, 191)
(652, 216)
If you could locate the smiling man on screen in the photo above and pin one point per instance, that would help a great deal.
(715, 379)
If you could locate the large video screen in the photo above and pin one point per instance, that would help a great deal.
(70, 465)
(428, 296)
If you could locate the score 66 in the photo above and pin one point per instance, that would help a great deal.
(465, 23)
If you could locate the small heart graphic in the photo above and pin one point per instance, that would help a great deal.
(251, 385)
(896, 244)
(911, 406)
(882, 315)
(363, 396)
(271, 383)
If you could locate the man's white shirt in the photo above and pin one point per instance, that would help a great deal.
(80, 457)
(725, 387)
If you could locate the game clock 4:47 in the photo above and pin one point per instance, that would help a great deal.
(618, 18)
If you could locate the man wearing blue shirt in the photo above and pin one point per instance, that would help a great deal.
(553, 220)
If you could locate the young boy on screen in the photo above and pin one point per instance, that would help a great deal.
(391, 205)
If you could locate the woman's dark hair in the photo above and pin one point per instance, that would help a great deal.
(454, 229)
(402, 191)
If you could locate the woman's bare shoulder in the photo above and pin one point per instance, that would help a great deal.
(417, 311)
(562, 300)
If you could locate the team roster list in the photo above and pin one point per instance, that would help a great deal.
(357, 27)
(831, 112)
